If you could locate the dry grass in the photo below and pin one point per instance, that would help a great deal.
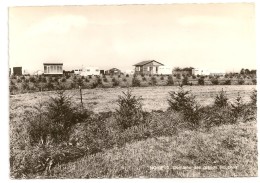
(226, 151)
(154, 98)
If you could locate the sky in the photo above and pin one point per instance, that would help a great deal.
(214, 36)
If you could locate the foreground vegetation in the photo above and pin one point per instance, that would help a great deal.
(58, 138)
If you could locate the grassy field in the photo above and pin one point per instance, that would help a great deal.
(225, 151)
(162, 146)
(154, 98)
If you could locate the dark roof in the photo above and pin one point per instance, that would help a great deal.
(146, 62)
(52, 63)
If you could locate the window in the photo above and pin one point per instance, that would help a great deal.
(137, 68)
(45, 69)
(88, 70)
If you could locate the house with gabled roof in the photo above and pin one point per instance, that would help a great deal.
(147, 67)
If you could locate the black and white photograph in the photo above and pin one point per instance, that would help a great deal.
(112, 91)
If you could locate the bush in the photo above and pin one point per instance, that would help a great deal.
(241, 81)
(254, 81)
(136, 82)
(105, 79)
(99, 81)
(86, 80)
(79, 82)
(193, 76)
(178, 76)
(214, 81)
(184, 102)
(63, 80)
(237, 107)
(32, 79)
(127, 75)
(144, 78)
(49, 86)
(253, 97)
(90, 77)
(19, 81)
(227, 82)
(25, 86)
(221, 100)
(67, 76)
(162, 78)
(125, 80)
(130, 111)
(153, 81)
(44, 80)
(201, 81)
(185, 80)
(170, 81)
(115, 82)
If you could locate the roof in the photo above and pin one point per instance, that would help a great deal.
(52, 63)
(114, 69)
(146, 62)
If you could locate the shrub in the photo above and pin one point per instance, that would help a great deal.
(253, 97)
(185, 80)
(170, 81)
(201, 81)
(67, 76)
(136, 82)
(44, 80)
(241, 81)
(99, 81)
(254, 81)
(237, 107)
(214, 81)
(115, 82)
(49, 86)
(19, 81)
(227, 82)
(153, 81)
(63, 80)
(184, 102)
(127, 75)
(82, 77)
(193, 76)
(178, 76)
(79, 82)
(221, 100)
(125, 80)
(86, 80)
(105, 79)
(130, 111)
(26, 81)
(25, 86)
(162, 78)
(32, 79)
(90, 77)
(144, 78)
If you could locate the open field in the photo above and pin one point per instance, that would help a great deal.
(154, 98)
(161, 144)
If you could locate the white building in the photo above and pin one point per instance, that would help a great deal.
(217, 72)
(165, 70)
(201, 71)
(87, 71)
(53, 68)
(206, 72)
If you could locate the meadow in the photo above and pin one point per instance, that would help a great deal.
(162, 142)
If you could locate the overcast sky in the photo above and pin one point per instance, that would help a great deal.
(220, 36)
